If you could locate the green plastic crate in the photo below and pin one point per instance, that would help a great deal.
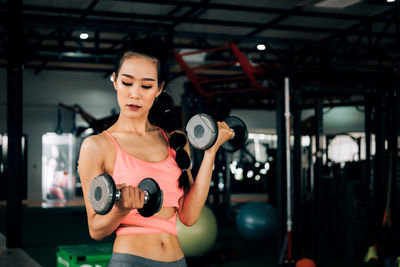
(94, 255)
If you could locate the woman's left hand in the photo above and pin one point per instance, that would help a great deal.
(225, 133)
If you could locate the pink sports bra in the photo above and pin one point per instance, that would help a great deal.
(130, 170)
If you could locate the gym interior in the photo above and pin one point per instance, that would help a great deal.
(314, 179)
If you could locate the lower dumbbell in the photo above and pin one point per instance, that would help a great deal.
(103, 194)
(202, 132)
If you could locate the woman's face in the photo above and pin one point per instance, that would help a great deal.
(137, 85)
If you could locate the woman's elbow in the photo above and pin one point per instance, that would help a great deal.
(96, 235)
(188, 221)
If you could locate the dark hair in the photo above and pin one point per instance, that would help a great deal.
(151, 47)
(161, 113)
(178, 141)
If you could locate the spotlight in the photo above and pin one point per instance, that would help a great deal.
(84, 36)
(261, 47)
(266, 166)
(239, 174)
(221, 186)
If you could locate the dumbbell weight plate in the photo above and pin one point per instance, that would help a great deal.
(241, 134)
(155, 200)
(202, 131)
(102, 193)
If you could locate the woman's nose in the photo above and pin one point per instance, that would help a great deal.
(134, 91)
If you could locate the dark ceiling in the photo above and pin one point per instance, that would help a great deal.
(363, 36)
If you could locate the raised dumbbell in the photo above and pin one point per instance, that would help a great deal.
(103, 194)
(202, 132)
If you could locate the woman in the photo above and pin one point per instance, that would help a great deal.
(133, 149)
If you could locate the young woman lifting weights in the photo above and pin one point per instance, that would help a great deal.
(134, 148)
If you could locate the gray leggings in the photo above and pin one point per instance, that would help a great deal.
(129, 260)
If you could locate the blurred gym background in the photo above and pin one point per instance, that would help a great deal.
(315, 81)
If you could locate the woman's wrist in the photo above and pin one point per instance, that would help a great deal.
(119, 212)
(211, 151)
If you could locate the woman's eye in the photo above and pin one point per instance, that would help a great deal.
(147, 86)
(127, 84)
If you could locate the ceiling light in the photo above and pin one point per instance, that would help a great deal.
(76, 54)
(390, 1)
(336, 3)
(84, 36)
(261, 47)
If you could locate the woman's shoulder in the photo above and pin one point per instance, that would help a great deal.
(96, 143)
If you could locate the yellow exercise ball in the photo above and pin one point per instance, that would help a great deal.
(198, 239)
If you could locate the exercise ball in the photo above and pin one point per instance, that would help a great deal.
(257, 220)
(198, 239)
(305, 262)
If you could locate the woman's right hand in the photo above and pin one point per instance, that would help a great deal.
(131, 198)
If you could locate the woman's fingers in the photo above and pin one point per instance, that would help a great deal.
(120, 186)
(131, 198)
(225, 131)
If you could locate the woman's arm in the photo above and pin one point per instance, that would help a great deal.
(192, 203)
(91, 164)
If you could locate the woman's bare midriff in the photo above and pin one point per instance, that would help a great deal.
(161, 247)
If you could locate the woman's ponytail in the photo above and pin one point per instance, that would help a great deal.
(178, 141)
(163, 114)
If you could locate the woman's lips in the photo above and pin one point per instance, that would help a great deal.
(134, 107)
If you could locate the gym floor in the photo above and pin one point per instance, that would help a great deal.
(44, 229)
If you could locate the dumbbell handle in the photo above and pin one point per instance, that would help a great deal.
(146, 196)
(233, 131)
(118, 195)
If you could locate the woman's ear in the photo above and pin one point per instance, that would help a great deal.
(114, 78)
(160, 89)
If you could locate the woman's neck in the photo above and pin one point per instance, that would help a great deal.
(137, 126)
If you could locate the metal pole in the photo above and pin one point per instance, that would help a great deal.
(368, 164)
(228, 177)
(288, 174)
(15, 53)
(319, 249)
(297, 169)
(380, 174)
(280, 199)
(396, 206)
